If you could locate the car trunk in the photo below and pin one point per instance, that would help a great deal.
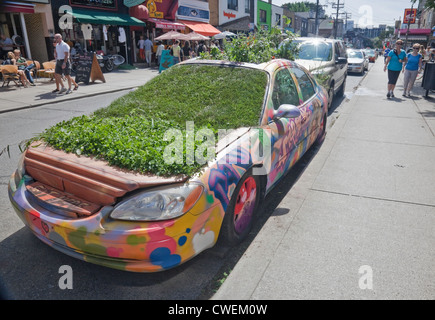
(77, 186)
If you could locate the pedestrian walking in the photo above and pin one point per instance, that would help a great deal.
(59, 80)
(159, 51)
(63, 64)
(394, 64)
(414, 64)
(148, 51)
(176, 49)
(141, 46)
(187, 51)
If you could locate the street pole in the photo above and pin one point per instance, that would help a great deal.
(317, 18)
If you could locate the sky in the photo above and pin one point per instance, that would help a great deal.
(365, 13)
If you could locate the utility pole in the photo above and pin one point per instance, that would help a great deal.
(337, 6)
(317, 18)
(409, 23)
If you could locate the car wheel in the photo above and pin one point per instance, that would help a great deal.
(322, 129)
(242, 210)
(340, 92)
(330, 95)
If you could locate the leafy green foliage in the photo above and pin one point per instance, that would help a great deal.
(130, 132)
(260, 47)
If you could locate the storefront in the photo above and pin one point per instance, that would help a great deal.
(97, 25)
(196, 16)
(237, 16)
(30, 25)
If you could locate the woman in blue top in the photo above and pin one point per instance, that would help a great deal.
(413, 66)
(394, 61)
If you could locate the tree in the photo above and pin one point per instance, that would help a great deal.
(297, 6)
(430, 4)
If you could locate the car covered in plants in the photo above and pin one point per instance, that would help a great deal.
(161, 174)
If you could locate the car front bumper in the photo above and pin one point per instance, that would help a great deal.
(126, 245)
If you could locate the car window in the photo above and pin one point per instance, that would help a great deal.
(355, 54)
(305, 84)
(284, 90)
(317, 51)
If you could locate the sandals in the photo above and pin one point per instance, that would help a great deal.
(75, 88)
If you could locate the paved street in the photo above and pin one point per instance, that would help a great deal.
(336, 211)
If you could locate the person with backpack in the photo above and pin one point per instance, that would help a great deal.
(394, 63)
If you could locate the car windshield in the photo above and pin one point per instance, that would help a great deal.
(355, 54)
(317, 51)
(370, 52)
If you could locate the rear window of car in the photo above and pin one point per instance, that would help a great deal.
(355, 54)
(316, 51)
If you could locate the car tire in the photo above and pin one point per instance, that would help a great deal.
(242, 210)
(330, 95)
(340, 92)
(322, 132)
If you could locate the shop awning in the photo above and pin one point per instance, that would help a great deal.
(100, 17)
(203, 28)
(166, 24)
(9, 6)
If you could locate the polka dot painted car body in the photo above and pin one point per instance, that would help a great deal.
(150, 246)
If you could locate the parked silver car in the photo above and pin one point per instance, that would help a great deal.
(326, 59)
(357, 61)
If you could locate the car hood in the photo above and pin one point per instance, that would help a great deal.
(86, 178)
(312, 65)
(355, 60)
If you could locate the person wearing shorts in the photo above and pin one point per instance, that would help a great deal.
(394, 64)
(63, 64)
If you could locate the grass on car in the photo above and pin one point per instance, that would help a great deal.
(129, 132)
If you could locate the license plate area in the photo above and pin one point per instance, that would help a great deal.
(60, 202)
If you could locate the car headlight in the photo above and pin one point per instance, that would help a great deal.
(161, 203)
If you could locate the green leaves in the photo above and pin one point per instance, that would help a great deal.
(260, 47)
(130, 132)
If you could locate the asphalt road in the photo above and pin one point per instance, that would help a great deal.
(29, 269)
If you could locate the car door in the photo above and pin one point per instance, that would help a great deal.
(285, 133)
(341, 68)
(310, 107)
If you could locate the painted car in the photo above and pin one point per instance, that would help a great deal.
(357, 61)
(144, 223)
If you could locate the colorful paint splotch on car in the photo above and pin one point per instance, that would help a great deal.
(151, 246)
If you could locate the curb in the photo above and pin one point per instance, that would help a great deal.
(66, 99)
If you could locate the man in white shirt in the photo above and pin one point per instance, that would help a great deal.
(148, 53)
(63, 64)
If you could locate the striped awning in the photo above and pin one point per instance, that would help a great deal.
(14, 7)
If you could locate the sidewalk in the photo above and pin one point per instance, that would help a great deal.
(16, 98)
(362, 214)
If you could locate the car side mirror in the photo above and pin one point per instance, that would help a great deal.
(287, 111)
(341, 60)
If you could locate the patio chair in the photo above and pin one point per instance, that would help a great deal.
(10, 73)
(47, 70)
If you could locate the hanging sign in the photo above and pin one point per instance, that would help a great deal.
(132, 3)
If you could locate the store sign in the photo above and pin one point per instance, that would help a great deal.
(107, 4)
(133, 3)
(410, 16)
(229, 15)
(189, 13)
(152, 9)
